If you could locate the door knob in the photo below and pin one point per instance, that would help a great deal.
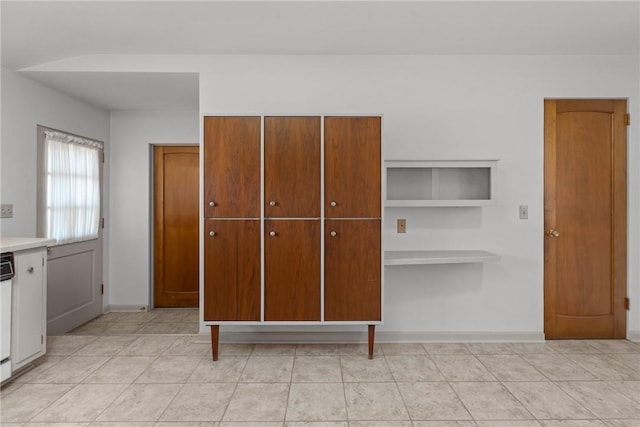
(212, 233)
(333, 234)
(212, 203)
(333, 203)
(553, 233)
(272, 233)
(30, 269)
(272, 203)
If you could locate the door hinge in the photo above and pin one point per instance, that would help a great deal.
(102, 157)
(43, 261)
(627, 304)
(627, 119)
(41, 339)
(102, 288)
(101, 222)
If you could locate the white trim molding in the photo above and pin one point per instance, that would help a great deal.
(113, 308)
(339, 337)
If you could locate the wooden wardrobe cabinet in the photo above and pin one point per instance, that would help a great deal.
(276, 251)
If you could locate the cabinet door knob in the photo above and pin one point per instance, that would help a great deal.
(272, 203)
(212, 233)
(30, 269)
(333, 234)
(212, 203)
(272, 233)
(333, 203)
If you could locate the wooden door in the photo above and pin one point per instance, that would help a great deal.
(232, 167)
(292, 167)
(175, 226)
(352, 167)
(232, 270)
(292, 270)
(585, 263)
(352, 270)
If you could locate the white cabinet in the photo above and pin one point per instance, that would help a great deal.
(456, 183)
(28, 317)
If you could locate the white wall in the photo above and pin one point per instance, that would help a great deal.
(435, 107)
(132, 135)
(26, 104)
(449, 107)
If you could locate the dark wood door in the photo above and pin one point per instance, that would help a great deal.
(352, 270)
(352, 167)
(232, 167)
(175, 226)
(292, 270)
(292, 167)
(232, 270)
(585, 219)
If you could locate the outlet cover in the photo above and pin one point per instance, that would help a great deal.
(402, 225)
(6, 210)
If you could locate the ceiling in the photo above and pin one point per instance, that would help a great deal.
(39, 32)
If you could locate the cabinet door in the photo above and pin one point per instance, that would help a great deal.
(352, 167)
(232, 167)
(232, 270)
(292, 270)
(28, 309)
(292, 167)
(352, 270)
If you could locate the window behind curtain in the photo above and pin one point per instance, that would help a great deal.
(72, 187)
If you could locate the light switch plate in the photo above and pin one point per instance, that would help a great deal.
(524, 212)
(402, 225)
(6, 210)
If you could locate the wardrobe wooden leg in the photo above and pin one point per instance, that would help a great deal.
(215, 332)
(372, 334)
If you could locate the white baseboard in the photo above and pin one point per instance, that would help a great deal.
(334, 337)
(634, 336)
(125, 308)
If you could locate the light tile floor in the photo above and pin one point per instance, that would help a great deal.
(153, 370)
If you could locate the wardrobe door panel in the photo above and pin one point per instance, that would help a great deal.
(232, 270)
(232, 167)
(292, 167)
(352, 167)
(352, 270)
(292, 270)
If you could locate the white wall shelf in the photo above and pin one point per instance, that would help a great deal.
(392, 258)
(442, 183)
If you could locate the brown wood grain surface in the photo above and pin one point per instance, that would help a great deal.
(352, 167)
(352, 270)
(232, 270)
(176, 198)
(292, 270)
(585, 202)
(232, 167)
(292, 167)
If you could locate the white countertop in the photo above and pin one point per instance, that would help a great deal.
(436, 257)
(14, 244)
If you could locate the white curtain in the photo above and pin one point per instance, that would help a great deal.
(73, 187)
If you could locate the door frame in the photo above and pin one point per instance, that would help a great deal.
(619, 229)
(152, 213)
